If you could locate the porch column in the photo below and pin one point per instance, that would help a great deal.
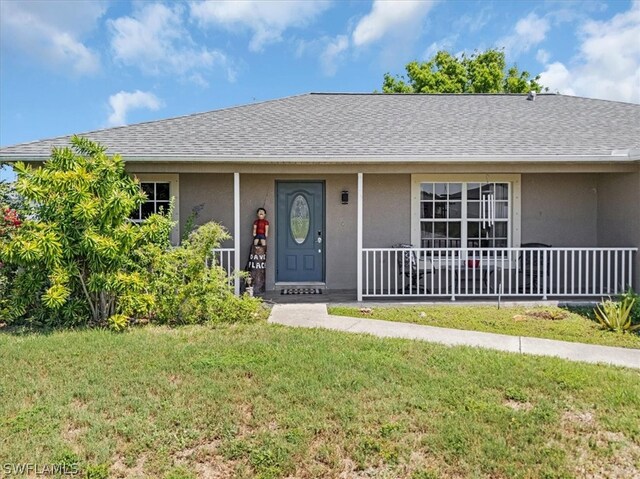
(359, 227)
(236, 231)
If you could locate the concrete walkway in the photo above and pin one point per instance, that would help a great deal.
(315, 316)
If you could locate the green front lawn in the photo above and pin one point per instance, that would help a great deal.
(538, 322)
(269, 401)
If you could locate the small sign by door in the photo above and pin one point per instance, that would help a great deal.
(256, 266)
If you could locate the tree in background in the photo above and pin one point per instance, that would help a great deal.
(480, 72)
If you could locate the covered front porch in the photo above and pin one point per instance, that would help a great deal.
(527, 271)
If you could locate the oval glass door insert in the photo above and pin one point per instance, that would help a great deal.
(299, 219)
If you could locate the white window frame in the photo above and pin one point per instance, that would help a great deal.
(174, 192)
(515, 200)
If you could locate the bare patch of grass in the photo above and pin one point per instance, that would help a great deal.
(597, 452)
(119, 467)
(518, 405)
(552, 314)
(205, 461)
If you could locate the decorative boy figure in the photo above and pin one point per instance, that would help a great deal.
(260, 228)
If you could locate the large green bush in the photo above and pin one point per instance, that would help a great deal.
(188, 287)
(74, 251)
(76, 258)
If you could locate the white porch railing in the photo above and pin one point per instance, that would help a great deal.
(224, 257)
(490, 272)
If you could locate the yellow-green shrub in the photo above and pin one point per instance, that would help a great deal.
(188, 288)
(616, 315)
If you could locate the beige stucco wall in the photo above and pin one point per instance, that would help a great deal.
(342, 241)
(619, 213)
(214, 192)
(386, 210)
(560, 209)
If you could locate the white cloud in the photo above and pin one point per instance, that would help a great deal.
(532, 29)
(266, 19)
(398, 22)
(473, 23)
(543, 56)
(528, 32)
(444, 44)
(124, 101)
(155, 40)
(198, 79)
(388, 16)
(608, 65)
(333, 53)
(557, 78)
(51, 32)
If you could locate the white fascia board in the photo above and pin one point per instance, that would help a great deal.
(634, 154)
(363, 159)
(13, 158)
(367, 159)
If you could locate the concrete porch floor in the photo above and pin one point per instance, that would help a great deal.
(328, 296)
(350, 297)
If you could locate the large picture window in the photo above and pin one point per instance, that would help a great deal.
(463, 214)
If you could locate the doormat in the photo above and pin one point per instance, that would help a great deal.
(301, 291)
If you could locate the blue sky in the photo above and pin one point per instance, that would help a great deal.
(75, 66)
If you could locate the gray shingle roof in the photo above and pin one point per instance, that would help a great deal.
(377, 126)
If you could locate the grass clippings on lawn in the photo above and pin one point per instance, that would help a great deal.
(267, 401)
(539, 322)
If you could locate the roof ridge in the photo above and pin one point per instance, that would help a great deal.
(423, 94)
(548, 93)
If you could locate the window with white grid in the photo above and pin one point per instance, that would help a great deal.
(158, 199)
(161, 189)
(465, 214)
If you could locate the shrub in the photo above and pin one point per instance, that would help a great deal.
(629, 295)
(76, 258)
(72, 256)
(186, 290)
(616, 315)
(9, 223)
(99, 471)
(4, 290)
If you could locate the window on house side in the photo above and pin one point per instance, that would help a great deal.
(158, 199)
